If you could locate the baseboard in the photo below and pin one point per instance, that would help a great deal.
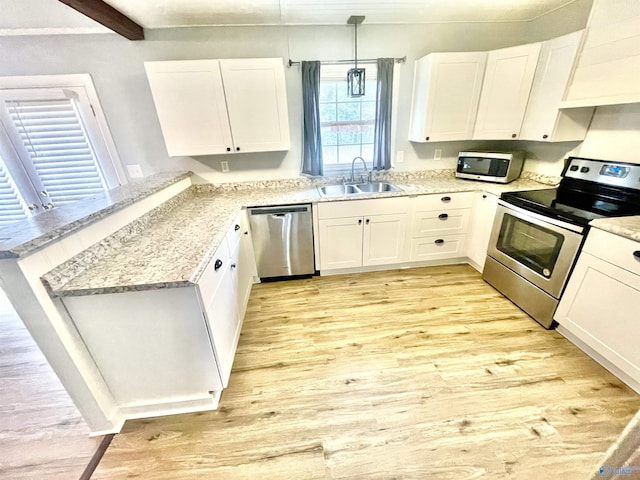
(397, 266)
(627, 379)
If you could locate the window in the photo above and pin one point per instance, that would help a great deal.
(347, 124)
(54, 144)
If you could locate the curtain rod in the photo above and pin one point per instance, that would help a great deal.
(369, 60)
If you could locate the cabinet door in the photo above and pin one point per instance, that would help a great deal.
(191, 107)
(482, 215)
(543, 120)
(246, 270)
(383, 239)
(341, 243)
(446, 91)
(505, 91)
(600, 308)
(222, 317)
(256, 99)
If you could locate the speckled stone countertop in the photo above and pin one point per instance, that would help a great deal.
(175, 248)
(23, 237)
(628, 227)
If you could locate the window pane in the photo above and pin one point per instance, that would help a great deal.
(367, 133)
(329, 155)
(347, 153)
(349, 112)
(349, 135)
(329, 135)
(327, 92)
(367, 153)
(368, 110)
(327, 112)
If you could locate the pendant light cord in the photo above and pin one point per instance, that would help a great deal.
(356, 42)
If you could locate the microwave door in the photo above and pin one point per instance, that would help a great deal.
(476, 165)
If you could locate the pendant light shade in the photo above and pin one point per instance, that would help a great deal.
(355, 75)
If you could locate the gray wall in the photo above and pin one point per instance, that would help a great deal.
(116, 66)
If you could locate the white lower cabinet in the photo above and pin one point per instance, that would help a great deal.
(482, 215)
(599, 308)
(362, 233)
(439, 225)
(170, 349)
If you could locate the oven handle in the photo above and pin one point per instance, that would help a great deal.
(542, 218)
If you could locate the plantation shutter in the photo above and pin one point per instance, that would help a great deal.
(58, 148)
(11, 207)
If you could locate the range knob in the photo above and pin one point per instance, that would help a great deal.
(584, 169)
(574, 168)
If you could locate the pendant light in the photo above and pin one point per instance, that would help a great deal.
(355, 76)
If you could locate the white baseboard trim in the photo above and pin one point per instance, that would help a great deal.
(397, 266)
(598, 357)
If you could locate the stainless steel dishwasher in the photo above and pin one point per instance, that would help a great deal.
(282, 240)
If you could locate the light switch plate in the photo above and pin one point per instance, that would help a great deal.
(224, 166)
(437, 155)
(135, 171)
(400, 156)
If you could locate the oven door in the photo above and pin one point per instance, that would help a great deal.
(540, 249)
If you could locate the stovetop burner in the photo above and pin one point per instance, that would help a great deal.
(589, 189)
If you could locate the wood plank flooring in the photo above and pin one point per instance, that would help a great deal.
(42, 435)
(409, 374)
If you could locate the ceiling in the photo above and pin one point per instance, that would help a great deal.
(53, 15)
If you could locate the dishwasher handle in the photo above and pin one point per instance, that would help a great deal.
(280, 212)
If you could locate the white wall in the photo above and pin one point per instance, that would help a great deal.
(116, 66)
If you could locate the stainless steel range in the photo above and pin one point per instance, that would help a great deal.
(537, 234)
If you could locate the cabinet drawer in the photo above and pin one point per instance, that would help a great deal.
(613, 249)
(445, 222)
(355, 208)
(425, 203)
(211, 276)
(437, 248)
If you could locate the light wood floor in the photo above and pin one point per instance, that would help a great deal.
(42, 435)
(412, 374)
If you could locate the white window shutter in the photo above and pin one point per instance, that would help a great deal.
(58, 147)
(11, 207)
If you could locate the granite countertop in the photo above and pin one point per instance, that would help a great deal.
(172, 252)
(628, 227)
(23, 237)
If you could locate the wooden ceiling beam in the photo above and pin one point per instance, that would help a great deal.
(108, 16)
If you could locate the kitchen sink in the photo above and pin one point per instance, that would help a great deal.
(376, 187)
(338, 190)
(357, 189)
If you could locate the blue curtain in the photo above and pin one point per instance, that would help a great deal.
(382, 133)
(312, 140)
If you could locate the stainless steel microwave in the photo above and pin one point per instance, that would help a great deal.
(490, 167)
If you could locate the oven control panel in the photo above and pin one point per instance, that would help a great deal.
(608, 173)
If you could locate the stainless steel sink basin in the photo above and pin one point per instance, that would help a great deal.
(376, 187)
(338, 190)
(358, 189)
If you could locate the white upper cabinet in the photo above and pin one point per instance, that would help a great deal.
(208, 107)
(608, 66)
(446, 91)
(543, 120)
(505, 92)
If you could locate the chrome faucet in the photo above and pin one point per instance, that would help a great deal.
(353, 164)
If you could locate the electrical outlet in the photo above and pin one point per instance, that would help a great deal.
(224, 166)
(400, 156)
(135, 171)
(437, 155)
